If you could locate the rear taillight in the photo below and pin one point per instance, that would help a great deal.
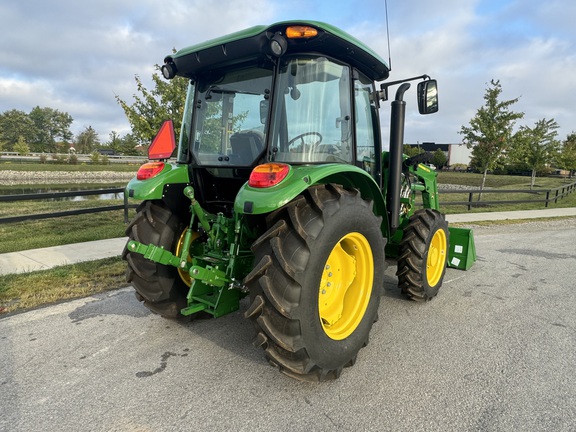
(268, 175)
(149, 170)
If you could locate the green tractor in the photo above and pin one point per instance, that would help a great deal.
(281, 192)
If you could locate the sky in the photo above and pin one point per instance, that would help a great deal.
(76, 56)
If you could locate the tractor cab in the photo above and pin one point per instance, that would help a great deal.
(242, 119)
(291, 93)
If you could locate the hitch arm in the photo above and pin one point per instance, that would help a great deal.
(154, 253)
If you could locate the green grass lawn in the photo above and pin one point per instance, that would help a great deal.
(59, 231)
(30, 290)
(498, 181)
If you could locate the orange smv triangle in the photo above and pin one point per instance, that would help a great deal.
(164, 142)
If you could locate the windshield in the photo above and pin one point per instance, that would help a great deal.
(312, 116)
(231, 110)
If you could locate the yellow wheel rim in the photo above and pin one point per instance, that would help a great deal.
(184, 275)
(346, 286)
(436, 258)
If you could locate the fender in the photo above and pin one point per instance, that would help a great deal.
(255, 201)
(153, 188)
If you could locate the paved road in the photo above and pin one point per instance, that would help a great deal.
(496, 351)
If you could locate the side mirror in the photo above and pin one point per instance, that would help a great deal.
(427, 97)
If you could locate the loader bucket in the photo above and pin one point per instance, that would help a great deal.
(462, 252)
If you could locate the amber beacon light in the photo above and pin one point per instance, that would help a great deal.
(301, 32)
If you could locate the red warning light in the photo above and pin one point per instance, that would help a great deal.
(164, 142)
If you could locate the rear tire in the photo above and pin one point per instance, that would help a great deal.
(158, 286)
(423, 255)
(324, 242)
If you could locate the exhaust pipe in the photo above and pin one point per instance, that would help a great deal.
(397, 118)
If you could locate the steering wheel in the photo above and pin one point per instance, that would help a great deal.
(305, 134)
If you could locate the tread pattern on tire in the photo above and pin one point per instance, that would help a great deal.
(276, 284)
(158, 286)
(413, 254)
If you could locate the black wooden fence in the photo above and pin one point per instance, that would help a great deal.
(51, 195)
(546, 196)
(550, 195)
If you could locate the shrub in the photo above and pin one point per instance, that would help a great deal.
(58, 158)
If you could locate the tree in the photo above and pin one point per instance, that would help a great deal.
(439, 159)
(128, 145)
(125, 145)
(490, 132)
(15, 124)
(51, 125)
(410, 150)
(536, 147)
(566, 157)
(164, 102)
(114, 142)
(87, 140)
(22, 147)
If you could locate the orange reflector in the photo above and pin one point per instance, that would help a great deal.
(164, 142)
(149, 170)
(299, 32)
(268, 175)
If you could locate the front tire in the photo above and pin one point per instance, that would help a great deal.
(316, 285)
(158, 286)
(423, 255)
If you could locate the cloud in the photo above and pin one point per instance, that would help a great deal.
(76, 56)
(529, 46)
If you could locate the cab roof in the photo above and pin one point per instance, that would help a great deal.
(252, 44)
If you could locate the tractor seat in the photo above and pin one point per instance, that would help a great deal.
(246, 146)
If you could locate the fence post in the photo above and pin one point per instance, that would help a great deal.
(547, 198)
(470, 196)
(125, 207)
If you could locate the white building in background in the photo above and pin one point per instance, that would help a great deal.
(459, 154)
(455, 153)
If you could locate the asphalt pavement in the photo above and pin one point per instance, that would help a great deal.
(494, 351)
(46, 258)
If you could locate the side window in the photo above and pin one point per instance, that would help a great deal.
(364, 124)
(313, 118)
(228, 127)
